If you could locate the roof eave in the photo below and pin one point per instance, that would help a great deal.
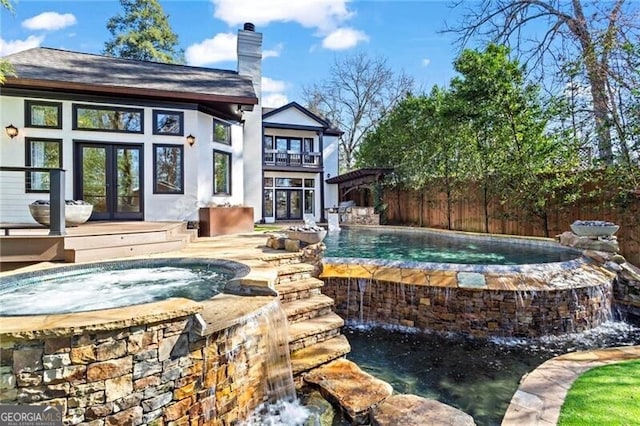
(128, 91)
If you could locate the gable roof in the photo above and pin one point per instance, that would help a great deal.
(62, 70)
(323, 123)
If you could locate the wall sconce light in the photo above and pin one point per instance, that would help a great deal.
(12, 131)
(191, 139)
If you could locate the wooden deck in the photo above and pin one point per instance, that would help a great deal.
(93, 241)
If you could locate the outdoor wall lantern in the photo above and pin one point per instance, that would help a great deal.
(12, 131)
(191, 139)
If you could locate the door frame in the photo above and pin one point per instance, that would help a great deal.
(111, 177)
(288, 192)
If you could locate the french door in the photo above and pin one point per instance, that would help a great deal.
(109, 176)
(288, 204)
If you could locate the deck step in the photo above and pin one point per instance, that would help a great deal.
(321, 353)
(88, 255)
(305, 309)
(34, 249)
(294, 272)
(306, 333)
(301, 289)
(86, 242)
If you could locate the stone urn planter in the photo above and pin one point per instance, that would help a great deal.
(75, 212)
(593, 228)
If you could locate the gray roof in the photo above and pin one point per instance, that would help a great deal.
(103, 72)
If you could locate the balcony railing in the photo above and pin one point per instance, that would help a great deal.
(274, 157)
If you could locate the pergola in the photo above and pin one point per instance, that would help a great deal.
(358, 185)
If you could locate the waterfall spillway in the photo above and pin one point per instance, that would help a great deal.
(279, 377)
(280, 407)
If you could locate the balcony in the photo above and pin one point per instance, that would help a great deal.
(293, 159)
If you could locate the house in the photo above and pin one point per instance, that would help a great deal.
(300, 153)
(152, 141)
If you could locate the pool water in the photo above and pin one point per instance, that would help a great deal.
(478, 376)
(109, 285)
(424, 246)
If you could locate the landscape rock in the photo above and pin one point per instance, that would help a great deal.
(344, 383)
(412, 410)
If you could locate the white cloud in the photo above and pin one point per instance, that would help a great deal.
(13, 46)
(271, 85)
(344, 38)
(49, 21)
(273, 95)
(273, 53)
(274, 100)
(425, 62)
(324, 15)
(222, 47)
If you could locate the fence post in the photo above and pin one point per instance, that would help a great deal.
(57, 203)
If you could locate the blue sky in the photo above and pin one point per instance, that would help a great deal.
(302, 38)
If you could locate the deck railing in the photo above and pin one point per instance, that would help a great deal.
(56, 196)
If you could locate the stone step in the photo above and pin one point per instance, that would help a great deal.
(286, 258)
(301, 289)
(315, 355)
(294, 272)
(336, 382)
(312, 331)
(413, 410)
(305, 309)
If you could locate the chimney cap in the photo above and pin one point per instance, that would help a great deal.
(248, 26)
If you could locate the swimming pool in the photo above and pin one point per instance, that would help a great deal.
(421, 245)
(524, 286)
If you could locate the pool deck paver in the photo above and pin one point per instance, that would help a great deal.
(541, 394)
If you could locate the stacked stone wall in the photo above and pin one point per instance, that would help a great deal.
(360, 216)
(155, 374)
(478, 312)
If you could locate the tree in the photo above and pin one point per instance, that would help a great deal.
(359, 92)
(5, 66)
(590, 37)
(143, 33)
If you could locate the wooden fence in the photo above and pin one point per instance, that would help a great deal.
(429, 209)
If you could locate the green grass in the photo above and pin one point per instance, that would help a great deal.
(266, 228)
(607, 395)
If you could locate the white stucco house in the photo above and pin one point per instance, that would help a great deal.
(154, 142)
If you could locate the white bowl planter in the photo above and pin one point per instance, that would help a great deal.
(75, 212)
(307, 236)
(593, 228)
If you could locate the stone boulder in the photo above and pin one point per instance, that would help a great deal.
(412, 410)
(606, 244)
(345, 384)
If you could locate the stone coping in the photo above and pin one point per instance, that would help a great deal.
(44, 326)
(53, 325)
(573, 274)
(458, 267)
(542, 392)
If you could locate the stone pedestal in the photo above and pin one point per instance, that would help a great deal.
(608, 244)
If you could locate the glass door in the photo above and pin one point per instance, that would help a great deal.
(109, 176)
(288, 204)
